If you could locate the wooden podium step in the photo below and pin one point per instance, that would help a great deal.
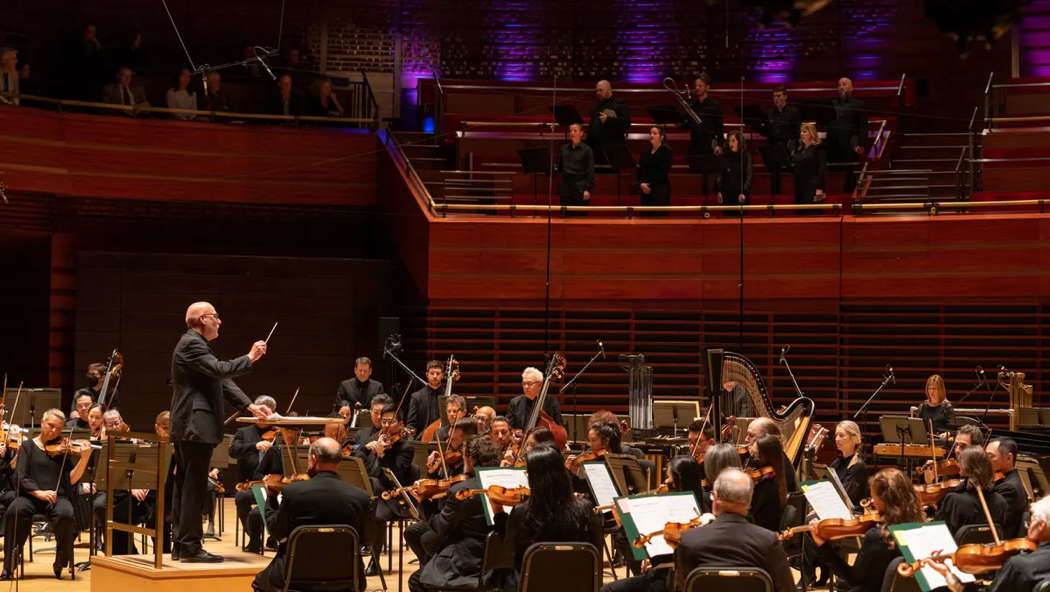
(136, 572)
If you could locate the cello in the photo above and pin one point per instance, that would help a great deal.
(539, 417)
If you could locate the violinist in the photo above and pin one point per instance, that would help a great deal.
(968, 435)
(537, 437)
(368, 433)
(452, 544)
(551, 513)
(603, 438)
(730, 540)
(701, 436)
(388, 449)
(718, 458)
(123, 544)
(45, 482)
(520, 407)
(849, 466)
(464, 429)
(963, 506)
(499, 432)
(95, 423)
(770, 490)
(895, 499)
(362, 388)
(936, 407)
(1002, 454)
(761, 426)
(273, 462)
(1023, 571)
(82, 403)
(321, 500)
(249, 445)
(455, 410)
(484, 416)
(423, 405)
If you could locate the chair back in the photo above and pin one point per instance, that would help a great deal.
(737, 579)
(310, 566)
(1043, 586)
(561, 566)
(976, 534)
(894, 582)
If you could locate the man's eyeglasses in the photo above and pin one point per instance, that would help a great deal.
(529, 382)
(210, 314)
(388, 422)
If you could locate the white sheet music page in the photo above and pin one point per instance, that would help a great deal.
(651, 512)
(509, 477)
(923, 542)
(601, 482)
(826, 501)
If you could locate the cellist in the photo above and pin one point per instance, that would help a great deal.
(521, 406)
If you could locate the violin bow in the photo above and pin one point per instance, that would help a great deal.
(441, 454)
(294, 397)
(933, 451)
(988, 515)
(707, 417)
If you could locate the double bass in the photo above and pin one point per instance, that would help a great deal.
(539, 417)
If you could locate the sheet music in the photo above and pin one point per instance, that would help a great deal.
(651, 512)
(923, 541)
(826, 501)
(601, 482)
(509, 477)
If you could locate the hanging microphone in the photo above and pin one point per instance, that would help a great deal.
(260, 54)
(891, 376)
(980, 373)
(601, 348)
(783, 350)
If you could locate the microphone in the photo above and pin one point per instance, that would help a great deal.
(980, 373)
(260, 54)
(891, 376)
(601, 348)
(783, 350)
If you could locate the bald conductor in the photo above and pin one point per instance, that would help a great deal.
(199, 382)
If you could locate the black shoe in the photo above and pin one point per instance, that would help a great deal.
(253, 548)
(271, 544)
(5, 576)
(201, 556)
(175, 553)
(58, 570)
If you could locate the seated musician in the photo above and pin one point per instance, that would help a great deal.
(536, 437)
(248, 447)
(895, 499)
(936, 407)
(551, 514)
(162, 427)
(454, 447)
(8, 464)
(1002, 454)
(762, 426)
(272, 463)
(123, 543)
(484, 416)
(770, 489)
(82, 403)
(704, 434)
(499, 432)
(606, 416)
(1024, 571)
(375, 410)
(968, 435)
(718, 458)
(683, 474)
(388, 449)
(45, 486)
(455, 410)
(452, 545)
(520, 407)
(94, 417)
(962, 506)
(730, 540)
(849, 466)
(321, 500)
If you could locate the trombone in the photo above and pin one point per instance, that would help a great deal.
(670, 84)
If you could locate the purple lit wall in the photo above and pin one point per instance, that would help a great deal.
(1034, 40)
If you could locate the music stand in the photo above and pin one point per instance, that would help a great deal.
(133, 463)
(627, 473)
(28, 414)
(566, 115)
(665, 115)
(822, 472)
(352, 470)
(535, 161)
(420, 452)
(669, 414)
(364, 419)
(904, 430)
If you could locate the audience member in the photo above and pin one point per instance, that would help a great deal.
(284, 99)
(9, 76)
(214, 98)
(130, 53)
(122, 92)
(323, 101)
(181, 97)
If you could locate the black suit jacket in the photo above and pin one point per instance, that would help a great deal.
(423, 409)
(1024, 571)
(243, 449)
(962, 507)
(456, 540)
(731, 541)
(1012, 490)
(865, 575)
(199, 382)
(352, 391)
(520, 408)
(323, 500)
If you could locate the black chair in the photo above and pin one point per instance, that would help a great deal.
(497, 556)
(894, 582)
(976, 534)
(737, 579)
(41, 526)
(308, 563)
(561, 566)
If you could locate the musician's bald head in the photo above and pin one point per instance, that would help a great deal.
(325, 453)
(204, 319)
(732, 492)
(845, 86)
(603, 89)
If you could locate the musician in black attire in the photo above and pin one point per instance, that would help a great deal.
(200, 381)
(129, 506)
(707, 138)
(893, 496)
(551, 514)
(273, 462)
(96, 375)
(45, 486)
(455, 410)
(368, 433)
(770, 489)
(730, 540)
(810, 162)
(361, 388)
(762, 426)
(520, 407)
(1002, 454)
(654, 170)
(249, 447)
(610, 122)
(82, 403)
(423, 404)
(849, 466)
(936, 408)
(322, 500)
(847, 132)
(463, 430)
(576, 165)
(962, 506)
(781, 130)
(734, 180)
(453, 542)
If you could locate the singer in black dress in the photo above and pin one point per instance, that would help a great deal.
(654, 170)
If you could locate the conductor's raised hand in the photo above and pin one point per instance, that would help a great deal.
(260, 411)
(258, 350)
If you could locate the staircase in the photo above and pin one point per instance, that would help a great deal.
(436, 167)
(927, 165)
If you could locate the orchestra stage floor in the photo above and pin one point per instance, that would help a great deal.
(38, 576)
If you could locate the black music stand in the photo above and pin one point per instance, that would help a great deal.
(566, 115)
(28, 413)
(671, 414)
(535, 161)
(627, 473)
(352, 470)
(420, 452)
(665, 115)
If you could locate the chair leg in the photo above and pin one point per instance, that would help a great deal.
(609, 554)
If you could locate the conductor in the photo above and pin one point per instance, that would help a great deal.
(200, 381)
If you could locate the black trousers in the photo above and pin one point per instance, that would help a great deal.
(244, 500)
(414, 539)
(190, 499)
(654, 580)
(123, 543)
(18, 521)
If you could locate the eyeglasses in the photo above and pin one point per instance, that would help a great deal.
(210, 314)
(388, 422)
(529, 382)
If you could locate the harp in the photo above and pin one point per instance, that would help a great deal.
(724, 366)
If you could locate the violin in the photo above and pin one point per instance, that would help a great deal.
(451, 457)
(425, 488)
(672, 531)
(974, 559)
(573, 461)
(832, 529)
(932, 494)
(766, 472)
(504, 496)
(66, 446)
(944, 468)
(269, 434)
(273, 483)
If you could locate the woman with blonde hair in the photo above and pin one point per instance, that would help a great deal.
(810, 162)
(936, 408)
(849, 466)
